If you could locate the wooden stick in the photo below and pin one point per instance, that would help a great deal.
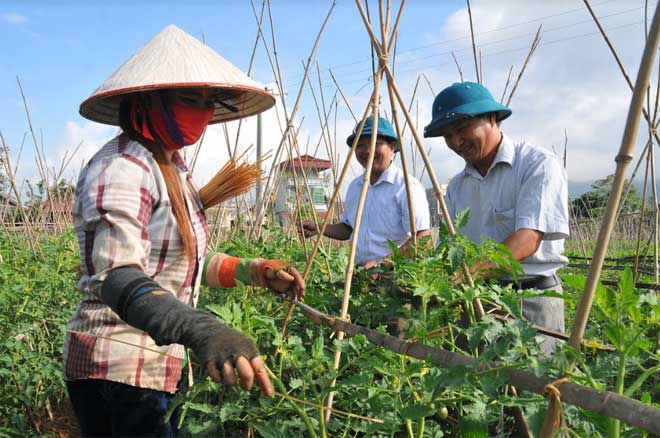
(434, 180)
(358, 221)
(535, 43)
(607, 403)
(474, 46)
(296, 105)
(331, 205)
(622, 159)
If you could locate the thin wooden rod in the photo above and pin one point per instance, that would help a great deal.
(474, 46)
(348, 279)
(622, 159)
(296, 105)
(331, 205)
(607, 403)
(434, 180)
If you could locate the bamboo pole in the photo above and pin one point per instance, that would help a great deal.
(607, 403)
(296, 105)
(474, 46)
(622, 159)
(434, 180)
(333, 199)
(356, 228)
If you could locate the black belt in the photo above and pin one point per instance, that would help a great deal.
(531, 282)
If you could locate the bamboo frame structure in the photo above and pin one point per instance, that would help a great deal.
(623, 158)
(607, 403)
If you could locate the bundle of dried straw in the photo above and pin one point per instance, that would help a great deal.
(232, 180)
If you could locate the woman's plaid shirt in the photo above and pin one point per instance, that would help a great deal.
(123, 216)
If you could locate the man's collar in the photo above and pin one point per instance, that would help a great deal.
(505, 154)
(389, 175)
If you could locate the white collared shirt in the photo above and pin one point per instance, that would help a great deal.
(525, 187)
(385, 215)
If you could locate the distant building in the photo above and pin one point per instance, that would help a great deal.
(318, 182)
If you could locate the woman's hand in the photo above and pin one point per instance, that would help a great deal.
(280, 277)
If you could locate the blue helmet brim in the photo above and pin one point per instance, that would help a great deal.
(472, 109)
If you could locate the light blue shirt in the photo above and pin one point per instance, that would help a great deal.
(385, 215)
(525, 187)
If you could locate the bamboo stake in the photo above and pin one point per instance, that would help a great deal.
(296, 106)
(434, 180)
(460, 72)
(656, 214)
(622, 159)
(358, 221)
(607, 403)
(404, 164)
(333, 199)
(532, 49)
(474, 46)
(618, 61)
(32, 241)
(641, 215)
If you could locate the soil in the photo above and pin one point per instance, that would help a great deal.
(63, 424)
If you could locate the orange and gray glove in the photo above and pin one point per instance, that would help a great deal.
(223, 270)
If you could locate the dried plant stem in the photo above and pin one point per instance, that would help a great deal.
(532, 49)
(474, 46)
(458, 67)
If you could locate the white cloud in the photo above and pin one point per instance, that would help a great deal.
(77, 144)
(14, 17)
(572, 82)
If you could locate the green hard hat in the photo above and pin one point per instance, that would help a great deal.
(461, 100)
(385, 129)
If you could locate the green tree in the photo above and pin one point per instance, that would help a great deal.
(593, 202)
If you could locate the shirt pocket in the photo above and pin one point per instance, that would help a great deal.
(505, 223)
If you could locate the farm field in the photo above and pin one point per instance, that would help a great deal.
(248, 155)
(384, 393)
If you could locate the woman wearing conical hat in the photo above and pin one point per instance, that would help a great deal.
(143, 243)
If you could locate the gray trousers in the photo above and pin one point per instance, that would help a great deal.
(546, 312)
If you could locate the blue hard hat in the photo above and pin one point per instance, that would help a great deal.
(385, 129)
(461, 100)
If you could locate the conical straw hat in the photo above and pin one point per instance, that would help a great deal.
(175, 60)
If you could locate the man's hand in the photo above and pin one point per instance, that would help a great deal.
(309, 228)
(278, 276)
(479, 269)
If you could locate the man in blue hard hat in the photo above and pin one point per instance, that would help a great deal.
(516, 193)
(385, 215)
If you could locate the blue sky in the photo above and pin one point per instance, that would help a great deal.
(63, 50)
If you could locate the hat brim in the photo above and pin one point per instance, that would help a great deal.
(471, 109)
(104, 107)
(397, 144)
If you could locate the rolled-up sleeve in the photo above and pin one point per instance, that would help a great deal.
(114, 207)
(542, 202)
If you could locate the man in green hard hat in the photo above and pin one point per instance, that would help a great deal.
(516, 193)
(385, 215)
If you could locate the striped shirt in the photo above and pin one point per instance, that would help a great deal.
(123, 216)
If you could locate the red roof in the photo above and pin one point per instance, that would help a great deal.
(307, 161)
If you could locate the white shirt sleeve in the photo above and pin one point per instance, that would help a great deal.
(542, 202)
(420, 208)
(350, 205)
